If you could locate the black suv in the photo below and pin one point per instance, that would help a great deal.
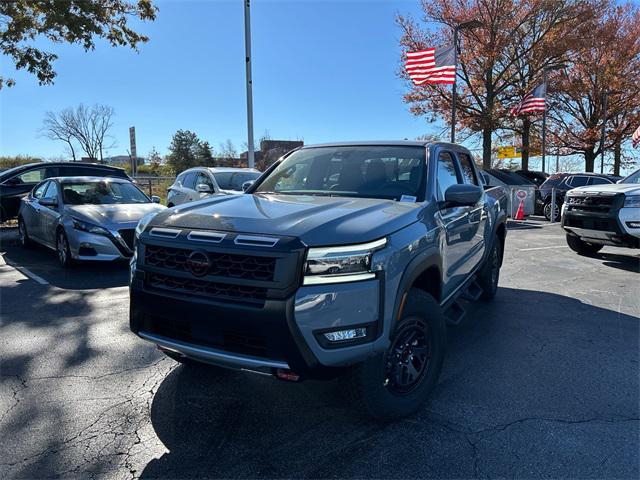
(16, 182)
(562, 183)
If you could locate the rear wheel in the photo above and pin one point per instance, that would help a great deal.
(582, 247)
(395, 384)
(23, 236)
(63, 250)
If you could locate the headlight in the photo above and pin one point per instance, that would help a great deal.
(632, 201)
(347, 263)
(89, 227)
(144, 221)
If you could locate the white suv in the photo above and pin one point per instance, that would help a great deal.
(201, 182)
(599, 215)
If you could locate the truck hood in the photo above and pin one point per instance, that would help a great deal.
(110, 215)
(626, 188)
(315, 220)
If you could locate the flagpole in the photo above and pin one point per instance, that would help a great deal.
(454, 96)
(605, 96)
(247, 50)
(544, 121)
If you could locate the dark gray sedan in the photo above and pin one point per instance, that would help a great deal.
(84, 218)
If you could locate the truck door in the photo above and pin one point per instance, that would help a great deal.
(461, 225)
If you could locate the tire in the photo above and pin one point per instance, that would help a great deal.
(62, 250)
(489, 274)
(170, 205)
(581, 247)
(547, 211)
(383, 385)
(23, 236)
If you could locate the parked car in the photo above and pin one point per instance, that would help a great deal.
(342, 259)
(536, 177)
(84, 218)
(202, 182)
(17, 182)
(606, 214)
(562, 183)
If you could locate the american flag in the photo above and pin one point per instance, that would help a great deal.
(534, 101)
(635, 139)
(433, 65)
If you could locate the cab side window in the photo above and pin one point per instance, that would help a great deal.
(467, 170)
(39, 191)
(447, 174)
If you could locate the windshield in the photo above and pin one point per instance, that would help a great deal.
(234, 180)
(102, 193)
(633, 178)
(359, 171)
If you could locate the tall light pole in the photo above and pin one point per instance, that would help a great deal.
(454, 98)
(247, 50)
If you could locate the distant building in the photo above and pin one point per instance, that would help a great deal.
(270, 151)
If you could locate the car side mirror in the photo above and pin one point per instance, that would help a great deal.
(203, 188)
(247, 184)
(462, 195)
(155, 198)
(48, 202)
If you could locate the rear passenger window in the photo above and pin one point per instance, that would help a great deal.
(446, 175)
(578, 181)
(466, 167)
(189, 180)
(598, 181)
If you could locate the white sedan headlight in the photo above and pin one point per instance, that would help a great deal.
(348, 263)
(632, 201)
(144, 221)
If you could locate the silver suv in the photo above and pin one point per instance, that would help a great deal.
(202, 182)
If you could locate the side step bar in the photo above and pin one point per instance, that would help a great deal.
(453, 309)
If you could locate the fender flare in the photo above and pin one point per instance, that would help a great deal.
(426, 259)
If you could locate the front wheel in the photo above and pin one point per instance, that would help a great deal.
(581, 247)
(395, 384)
(63, 250)
(547, 211)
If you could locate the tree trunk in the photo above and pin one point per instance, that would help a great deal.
(486, 148)
(526, 128)
(589, 160)
(617, 157)
(73, 152)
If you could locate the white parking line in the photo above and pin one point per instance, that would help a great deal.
(542, 248)
(28, 273)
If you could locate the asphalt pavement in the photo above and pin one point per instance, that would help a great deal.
(543, 382)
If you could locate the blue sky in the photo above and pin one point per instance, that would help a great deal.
(322, 70)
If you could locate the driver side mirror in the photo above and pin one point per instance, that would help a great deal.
(155, 198)
(462, 195)
(48, 202)
(204, 188)
(247, 184)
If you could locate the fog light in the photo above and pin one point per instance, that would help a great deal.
(341, 335)
(633, 224)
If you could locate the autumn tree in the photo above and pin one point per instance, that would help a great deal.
(605, 69)
(486, 61)
(24, 24)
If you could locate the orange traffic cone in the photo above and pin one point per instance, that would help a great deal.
(520, 212)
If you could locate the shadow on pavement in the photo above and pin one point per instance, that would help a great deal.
(628, 263)
(522, 225)
(553, 360)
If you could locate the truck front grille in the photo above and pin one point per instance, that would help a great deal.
(238, 266)
(204, 288)
(591, 203)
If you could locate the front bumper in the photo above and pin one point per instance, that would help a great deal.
(604, 228)
(94, 247)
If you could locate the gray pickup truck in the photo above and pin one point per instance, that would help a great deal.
(344, 259)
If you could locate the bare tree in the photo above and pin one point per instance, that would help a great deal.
(56, 128)
(89, 126)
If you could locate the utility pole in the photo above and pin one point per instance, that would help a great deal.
(605, 96)
(247, 50)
